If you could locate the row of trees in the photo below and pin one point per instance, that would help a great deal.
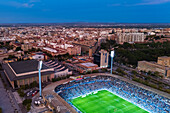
(94, 71)
(60, 78)
(32, 85)
(148, 82)
(142, 52)
(155, 74)
(25, 87)
(32, 50)
(10, 57)
(6, 45)
(63, 57)
(21, 92)
(132, 57)
(108, 45)
(27, 103)
(132, 53)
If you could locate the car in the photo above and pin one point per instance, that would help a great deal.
(34, 93)
(29, 93)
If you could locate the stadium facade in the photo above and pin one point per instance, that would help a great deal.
(26, 72)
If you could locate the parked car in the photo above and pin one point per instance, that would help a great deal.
(29, 93)
(34, 92)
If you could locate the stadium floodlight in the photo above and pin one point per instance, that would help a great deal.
(112, 55)
(39, 70)
(40, 65)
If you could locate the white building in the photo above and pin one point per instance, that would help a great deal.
(130, 37)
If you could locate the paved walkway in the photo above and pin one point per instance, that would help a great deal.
(5, 103)
(57, 101)
(17, 97)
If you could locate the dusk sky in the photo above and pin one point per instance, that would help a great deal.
(54, 11)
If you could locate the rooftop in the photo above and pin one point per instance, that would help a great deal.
(164, 57)
(88, 64)
(26, 66)
(50, 49)
(25, 69)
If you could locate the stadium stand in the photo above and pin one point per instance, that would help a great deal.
(143, 98)
(58, 68)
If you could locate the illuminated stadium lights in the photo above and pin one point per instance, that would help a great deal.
(112, 55)
(147, 100)
(39, 70)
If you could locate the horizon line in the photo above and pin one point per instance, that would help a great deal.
(87, 23)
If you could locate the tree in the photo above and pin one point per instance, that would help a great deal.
(18, 49)
(134, 72)
(38, 49)
(108, 44)
(104, 69)
(21, 92)
(1, 67)
(95, 71)
(127, 45)
(1, 43)
(157, 74)
(33, 84)
(121, 71)
(132, 53)
(29, 107)
(88, 72)
(11, 57)
(26, 102)
(148, 78)
(25, 52)
(149, 72)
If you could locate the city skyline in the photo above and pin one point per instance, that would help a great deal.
(122, 11)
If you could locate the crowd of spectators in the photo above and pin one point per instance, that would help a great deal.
(143, 98)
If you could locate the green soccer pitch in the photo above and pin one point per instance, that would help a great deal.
(105, 102)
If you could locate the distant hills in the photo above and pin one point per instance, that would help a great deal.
(97, 25)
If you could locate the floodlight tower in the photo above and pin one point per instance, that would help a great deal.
(39, 70)
(112, 56)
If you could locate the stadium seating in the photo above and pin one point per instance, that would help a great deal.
(143, 98)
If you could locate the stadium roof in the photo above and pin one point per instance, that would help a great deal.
(25, 69)
(26, 66)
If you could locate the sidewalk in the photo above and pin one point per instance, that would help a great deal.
(5, 102)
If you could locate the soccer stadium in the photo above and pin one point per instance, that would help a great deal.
(108, 94)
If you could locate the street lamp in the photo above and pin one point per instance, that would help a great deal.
(112, 56)
(39, 70)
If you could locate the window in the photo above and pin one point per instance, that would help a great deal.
(105, 57)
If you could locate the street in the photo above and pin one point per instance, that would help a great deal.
(7, 100)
